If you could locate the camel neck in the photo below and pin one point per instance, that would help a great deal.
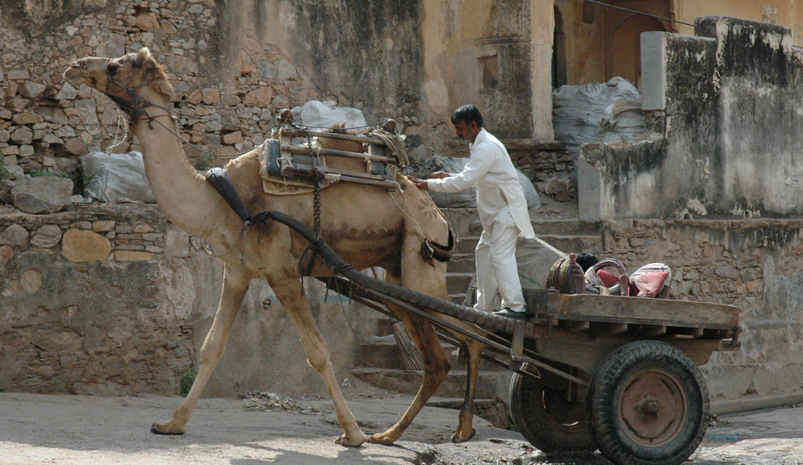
(180, 191)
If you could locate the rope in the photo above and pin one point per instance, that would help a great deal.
(394, 142)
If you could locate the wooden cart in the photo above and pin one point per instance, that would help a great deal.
(618, 374)
(634, 390)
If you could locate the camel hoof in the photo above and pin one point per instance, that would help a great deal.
(457, 439)
(383, 439)
(156, 428)
(346, 441)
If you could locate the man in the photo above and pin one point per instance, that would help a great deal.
(502, 209)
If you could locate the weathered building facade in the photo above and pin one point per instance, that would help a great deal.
(109, 319)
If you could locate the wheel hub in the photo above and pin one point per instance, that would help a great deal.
(652, 408)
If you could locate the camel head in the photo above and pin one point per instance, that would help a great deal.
(133, 81)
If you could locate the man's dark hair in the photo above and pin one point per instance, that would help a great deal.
(467, 114)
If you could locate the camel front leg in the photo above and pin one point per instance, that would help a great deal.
(235, 285)
(436, 367)
(291, 295)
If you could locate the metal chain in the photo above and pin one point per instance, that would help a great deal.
(316, 195)
(316, 203)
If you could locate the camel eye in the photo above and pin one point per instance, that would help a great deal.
(112, 68)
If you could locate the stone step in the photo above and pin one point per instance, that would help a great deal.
(457, 283)
(384, 325)
(461, 263)
(489, 384)
(466, 246)
(381, 354)
(387, 354)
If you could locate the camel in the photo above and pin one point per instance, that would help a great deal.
(366, 226)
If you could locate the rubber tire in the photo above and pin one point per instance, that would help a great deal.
(532, 419)
(616, 373)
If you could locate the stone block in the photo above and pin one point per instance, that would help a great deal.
(195, 97)
(6, 254)
(14, 235)
(233, 138)
(261, 97)
(103, 225)
(67, 92)
(26, 150)
(22, 135)
(27, 118)
(210, 96)
(17, 74)
(30, 281)
(47, 236)
(132, 255)
(143, 228)
(32, 90)
(84, 246)
(76, 146)
(44, 194)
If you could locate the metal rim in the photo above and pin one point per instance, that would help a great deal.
(653, 408)
(562, 414)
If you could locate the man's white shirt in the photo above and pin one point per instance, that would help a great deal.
(499, 192)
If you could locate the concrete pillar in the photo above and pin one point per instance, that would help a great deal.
(590, 195)
(653, 70)
(542, 27)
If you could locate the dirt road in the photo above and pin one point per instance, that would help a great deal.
(54, 429)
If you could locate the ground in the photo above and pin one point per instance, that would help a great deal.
(62, 429)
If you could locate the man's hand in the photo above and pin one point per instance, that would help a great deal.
(440, 175)
(420, 183)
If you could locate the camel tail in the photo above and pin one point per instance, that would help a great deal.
(432, 250)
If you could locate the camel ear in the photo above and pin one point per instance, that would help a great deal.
(143, 55)
(163, 86)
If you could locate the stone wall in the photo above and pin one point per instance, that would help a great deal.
(724, 109)
(753, 264)
(115, 300)
(235, 64)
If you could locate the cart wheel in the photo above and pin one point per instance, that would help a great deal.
(546, 419)
(648, 405)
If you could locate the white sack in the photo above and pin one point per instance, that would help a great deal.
(577, 110)
(325, 115)
(116, 177)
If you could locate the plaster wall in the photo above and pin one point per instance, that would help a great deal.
(724, 110)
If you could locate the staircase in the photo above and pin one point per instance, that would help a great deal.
(382, 366)
(381, 359)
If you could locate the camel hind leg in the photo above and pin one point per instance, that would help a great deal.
(465, 428)
(436, 367)
(424, 278)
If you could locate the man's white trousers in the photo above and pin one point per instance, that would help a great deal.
(495, 258)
